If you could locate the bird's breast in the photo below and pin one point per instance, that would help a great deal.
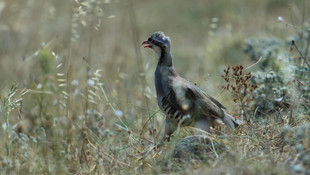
(161, 83)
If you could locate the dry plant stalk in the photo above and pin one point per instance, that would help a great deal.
(239, 87)
(7, 104)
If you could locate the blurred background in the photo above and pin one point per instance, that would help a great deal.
(206, 37)
(59, 48)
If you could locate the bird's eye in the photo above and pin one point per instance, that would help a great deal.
(150, 39)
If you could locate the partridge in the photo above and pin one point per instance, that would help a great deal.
(179, 99)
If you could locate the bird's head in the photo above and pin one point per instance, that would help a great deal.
(158, 42)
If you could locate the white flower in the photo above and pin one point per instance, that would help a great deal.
(118, 113)
(75, 82)
(39, 85)
(280, 19)
(91, 82)
(4, 126)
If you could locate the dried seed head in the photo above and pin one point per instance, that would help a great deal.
(293, 42)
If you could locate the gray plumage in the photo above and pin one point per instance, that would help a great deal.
(178, 98)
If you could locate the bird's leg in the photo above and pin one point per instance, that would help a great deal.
(166, 136)
(169, 129)
(161, 142)
(203, 124)
(210, 125)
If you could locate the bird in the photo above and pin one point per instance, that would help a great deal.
(183, 102)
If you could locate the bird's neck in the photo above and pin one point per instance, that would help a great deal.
(165, 58)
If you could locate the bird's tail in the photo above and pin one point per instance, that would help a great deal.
(231, 121)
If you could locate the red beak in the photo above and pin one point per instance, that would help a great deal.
(147, 44)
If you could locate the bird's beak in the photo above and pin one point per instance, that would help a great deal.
(147, 44)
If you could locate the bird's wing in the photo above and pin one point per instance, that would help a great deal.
(177, 99)
(171, 105)
(193, 100)
(213, 100)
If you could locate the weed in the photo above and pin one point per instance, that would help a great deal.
(8, 104)
(239, 86)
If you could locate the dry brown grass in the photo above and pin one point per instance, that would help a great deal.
(91, 105)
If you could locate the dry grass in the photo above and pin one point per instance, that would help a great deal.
(77, 92)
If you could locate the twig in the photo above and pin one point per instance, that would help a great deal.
(147, 122)
(255, 111)
(293, 43)
(254, 63)
(242, 137)
(109, 102)
(213, 149)
(308, 45)
(41, 92)
(88, 60)
(303, 19)
(136, 39)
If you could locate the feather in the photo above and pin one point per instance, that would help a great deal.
(180, 99)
